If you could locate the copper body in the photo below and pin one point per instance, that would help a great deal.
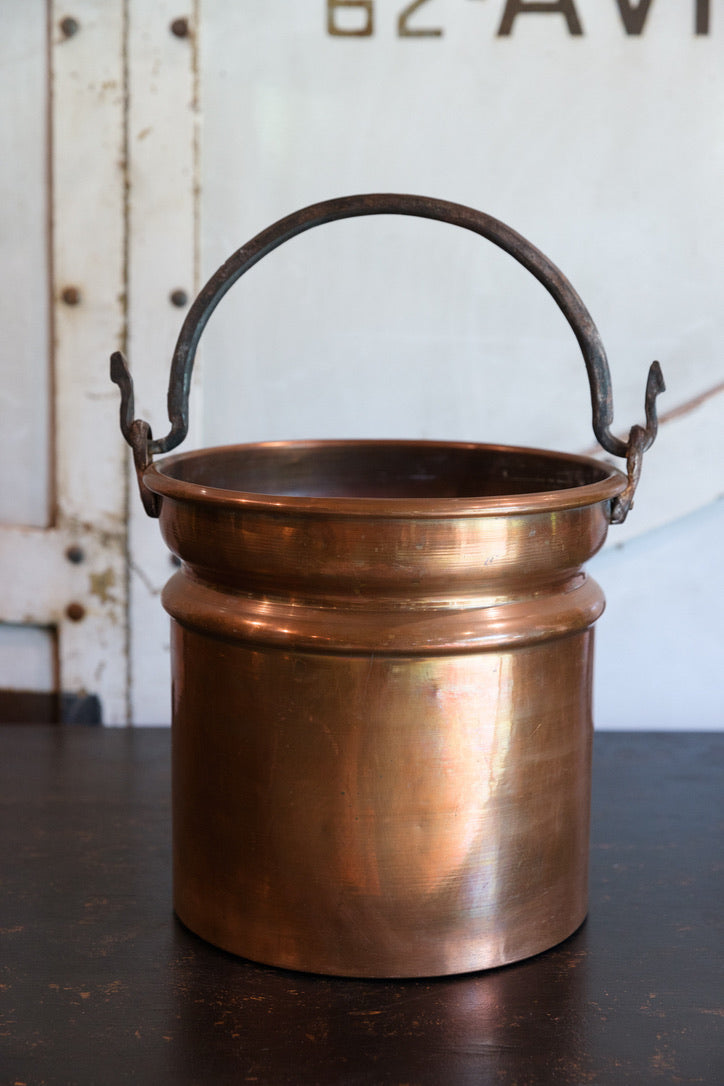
(382, 658)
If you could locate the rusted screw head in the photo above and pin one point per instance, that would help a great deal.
(75, 554)
(70, 295)
(69, 26)
(75, 612)
(179, 298)
(180, 27)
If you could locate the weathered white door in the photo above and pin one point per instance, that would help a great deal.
(98, 242)
(62, 534)
(596, 129)
(591, 126)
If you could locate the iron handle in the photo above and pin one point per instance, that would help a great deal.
(138, 433)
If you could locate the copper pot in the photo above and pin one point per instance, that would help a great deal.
(382, 657)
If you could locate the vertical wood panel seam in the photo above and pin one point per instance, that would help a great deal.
(126, 480)
(196, 106)
(196, 176)
(50, 275)
(52, 495)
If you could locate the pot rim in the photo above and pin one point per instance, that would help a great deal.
(612, 482)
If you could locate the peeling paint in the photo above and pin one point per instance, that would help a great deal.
(101, 585)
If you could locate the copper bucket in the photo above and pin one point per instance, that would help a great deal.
(382, 656)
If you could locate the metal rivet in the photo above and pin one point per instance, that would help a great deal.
(75, 612)
(180, 27)
(69, 26)
(70, 295)
(75, 554)
(179, 298)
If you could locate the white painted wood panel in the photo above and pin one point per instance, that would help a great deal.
(606, 150)
(27, 658)
(88, 248)
(601, 148)
(660, 642)
(24, 390)
(162, 258)
(27, 653)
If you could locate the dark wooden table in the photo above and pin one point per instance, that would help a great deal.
(99, 983)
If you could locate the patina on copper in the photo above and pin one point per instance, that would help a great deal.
(382, 663)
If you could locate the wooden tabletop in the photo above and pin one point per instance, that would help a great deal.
(100, 984)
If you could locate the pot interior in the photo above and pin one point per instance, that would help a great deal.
(383, 469)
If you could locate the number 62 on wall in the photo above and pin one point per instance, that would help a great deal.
(364, 25)
(356, 18)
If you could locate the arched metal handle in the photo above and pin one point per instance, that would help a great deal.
(138, 433)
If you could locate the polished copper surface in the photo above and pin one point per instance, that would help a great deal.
(382, 658)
